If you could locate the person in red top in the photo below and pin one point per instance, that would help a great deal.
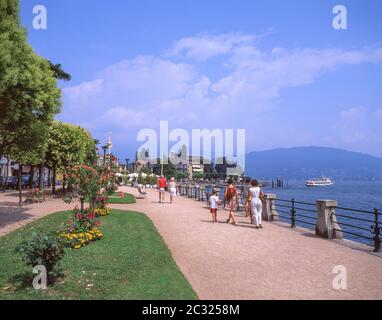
(162, 183)
(230, 196)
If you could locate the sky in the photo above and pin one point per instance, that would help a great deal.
(276, 68)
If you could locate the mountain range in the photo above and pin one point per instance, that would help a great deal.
(302, 163)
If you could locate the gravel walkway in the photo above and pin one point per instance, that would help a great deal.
(223, 261)
(13, 217)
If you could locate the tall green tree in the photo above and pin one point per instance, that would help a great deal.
(29, 96)
(66, 145)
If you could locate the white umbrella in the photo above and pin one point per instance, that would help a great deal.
(133, 175)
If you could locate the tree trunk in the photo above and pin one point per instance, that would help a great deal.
(54, 180)
(49, 178)
(6, 173)
(92, 202)
(41, 177)
(64, 182)
(20, 184)
(31, 177)
(82, 205)
(7, 168)
(4, 176)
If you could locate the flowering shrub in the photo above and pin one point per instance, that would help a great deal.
(106, 177)
(85, 183)
(35, 196)
(81, 229)
(80, 239)
(82, 222)
(101, 201)
(121, 194)
(101, 212)
(42, 249)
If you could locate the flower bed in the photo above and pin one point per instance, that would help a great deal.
(101, 212)
(80, 230)
(78, 240)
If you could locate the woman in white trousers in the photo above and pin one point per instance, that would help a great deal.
(256, 204)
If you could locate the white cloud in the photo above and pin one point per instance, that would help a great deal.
(261, 71)
(354, 114)
(84, 91)
(357, 128)
(204, 46)
(146, 89)
(146, 79)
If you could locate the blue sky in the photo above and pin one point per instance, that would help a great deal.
(275, 68)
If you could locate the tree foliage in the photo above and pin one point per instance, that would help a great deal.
(29, 96)
(68, 144)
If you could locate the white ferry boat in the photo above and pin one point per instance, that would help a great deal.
(322, 182)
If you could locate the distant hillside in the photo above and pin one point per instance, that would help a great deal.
(309, 162)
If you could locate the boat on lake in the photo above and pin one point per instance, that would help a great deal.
(321, 182)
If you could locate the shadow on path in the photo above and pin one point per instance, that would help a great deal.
(10, 214)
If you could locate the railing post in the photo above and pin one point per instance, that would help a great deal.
(202, 193)
(293, 214)
(376, 231)
(326, 225)
(269, 212)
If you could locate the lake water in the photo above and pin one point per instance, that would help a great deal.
(359, 195)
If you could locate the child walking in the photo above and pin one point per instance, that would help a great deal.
(214, 202)
(172, 189)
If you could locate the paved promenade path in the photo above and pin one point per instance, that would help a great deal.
(222, 261)
(13, 217)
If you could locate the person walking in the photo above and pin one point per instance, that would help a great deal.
(230, 197)
(161, 185)
(172, 189)
(247, 198)
(256, 204)
(214, 202)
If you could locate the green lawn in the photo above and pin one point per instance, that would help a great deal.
(116, 199)
(131, 262)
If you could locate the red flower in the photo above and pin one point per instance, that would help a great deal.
(91, 215)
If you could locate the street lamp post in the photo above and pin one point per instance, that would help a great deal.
(104, 148)
(127, 164)
(150, 167)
